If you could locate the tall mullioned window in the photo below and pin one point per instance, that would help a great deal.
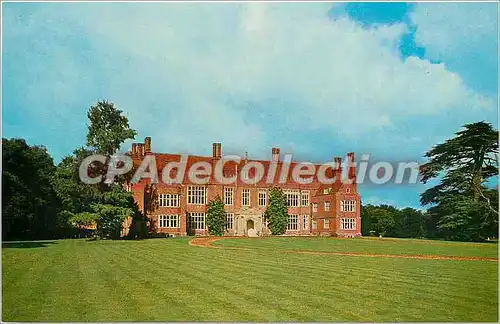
(229, 221)
(348, 223)
(348, 205)
(304, 202)
(245, 197)
(228, 195)
(305, 222)
(197, 195)
(168, 221)
(292, 197)
(292, 223)
(168, 200)
(197, 220)
(262, 198)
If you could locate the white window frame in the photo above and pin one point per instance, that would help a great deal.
(305, 222)
(229, 221)
(196, 195)
(168, 221)
(264, 222)
(228, 196)
(315, 207)
(327, 205)
(348, 190)
(348, 206)
(292, 223)
(245, 197)
(168, 200)
(348, 223)
(304, 198)
(262, 198)
(326, 223)
(197, 219)
(292, 197)
(326, 190)
(314, 224)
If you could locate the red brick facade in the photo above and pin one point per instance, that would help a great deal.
(342, 219)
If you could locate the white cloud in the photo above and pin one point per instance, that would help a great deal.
(196, 73)
(449, 29)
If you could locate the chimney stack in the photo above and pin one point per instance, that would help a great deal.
(352, 169)
(337, 163)
(147, 145)
(134, 148)
(217, 150)
(140, 149)
(275, 154)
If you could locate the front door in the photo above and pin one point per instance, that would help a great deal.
(250, 224)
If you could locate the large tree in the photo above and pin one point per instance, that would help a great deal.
(462, 203)
(106, 205)
(30, 207)
(216, 217)
(277, 211)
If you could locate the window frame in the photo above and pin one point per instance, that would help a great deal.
(168, 221)
(196, 195)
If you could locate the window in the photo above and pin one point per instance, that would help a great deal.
(305, 222)
(315, 207)
(327, 206)
(264, 222)
(229, 221)
(347, 190)
(168, 200)
(228, 195)
(292, 223)
(262, 198)
(326, 223)
(197, 220)
(313, 224)
(304, 198)
(326, 190)
(348, 223)
(348, 205)
(197, 195)
(292, 198)
(245, 197)
(168, 221)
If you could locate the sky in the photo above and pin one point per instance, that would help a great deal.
(315, 79)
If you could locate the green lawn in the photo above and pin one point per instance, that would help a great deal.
(168, 280)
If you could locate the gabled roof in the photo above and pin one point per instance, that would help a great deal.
(232, 167)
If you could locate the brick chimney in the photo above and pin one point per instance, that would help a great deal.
(147, 145)
(352, 169)
(216, 150)
(140, 149)
(275, 154)
(337, 162)
(134, 148)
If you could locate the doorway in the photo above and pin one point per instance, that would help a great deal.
(250, 224)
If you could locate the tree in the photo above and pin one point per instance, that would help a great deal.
(30, 207)
(381, 219)
(107, 129)
(277, 212)
(462, 203)
(216, 217)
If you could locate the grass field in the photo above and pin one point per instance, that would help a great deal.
(169, 280)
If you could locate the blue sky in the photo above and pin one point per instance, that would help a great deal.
(315, 79)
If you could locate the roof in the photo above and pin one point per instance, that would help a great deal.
(232, 167)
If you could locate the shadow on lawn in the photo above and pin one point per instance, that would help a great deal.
(26, 244)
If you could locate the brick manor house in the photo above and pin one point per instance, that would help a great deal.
(313, 209)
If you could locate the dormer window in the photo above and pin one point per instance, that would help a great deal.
(326, 190)
(348, 190)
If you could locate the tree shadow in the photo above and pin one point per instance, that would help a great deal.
(26, 244)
